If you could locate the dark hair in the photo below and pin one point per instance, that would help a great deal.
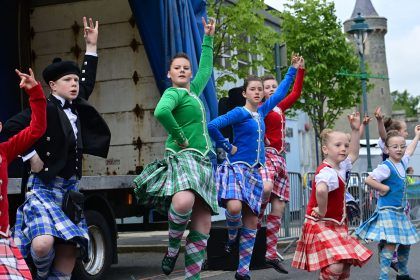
(409, 169)
(267, 77)
(391, 124)
(249, 79)
(390, 134)
(179, 55)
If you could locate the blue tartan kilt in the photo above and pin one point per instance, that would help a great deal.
(390, 224)
(241, 182)
(41, 214)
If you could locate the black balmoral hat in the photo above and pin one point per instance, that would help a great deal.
(58, 69)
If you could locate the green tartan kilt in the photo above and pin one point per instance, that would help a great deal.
(161, 179)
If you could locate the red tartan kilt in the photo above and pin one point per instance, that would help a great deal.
(324, 243)
(12, 264)
(275, 172)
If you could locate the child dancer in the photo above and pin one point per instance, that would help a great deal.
(389, 223)
(274, 175)
(387, 125)
(383, 128)
(43, 230)
(325, 243)
(183, 181)
(12, 264)
(238, 179)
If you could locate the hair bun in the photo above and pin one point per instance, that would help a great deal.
(57, 59)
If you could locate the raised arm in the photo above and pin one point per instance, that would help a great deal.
(234, 116)
(354, 120)
(205, 67)
(282, 89)
(412, 147)
(291, 98)
(90, 63)
(380, 120)
(22, 141)
(366, 120)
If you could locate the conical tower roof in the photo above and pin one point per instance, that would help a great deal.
(365, 8)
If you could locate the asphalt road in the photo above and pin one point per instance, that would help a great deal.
(146, 265)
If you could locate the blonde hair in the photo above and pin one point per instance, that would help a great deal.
(391, 134)
(325, 136)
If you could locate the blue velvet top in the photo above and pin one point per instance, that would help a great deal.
(248, 127)
(396, 183)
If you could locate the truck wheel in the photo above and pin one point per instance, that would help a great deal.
(101, 254)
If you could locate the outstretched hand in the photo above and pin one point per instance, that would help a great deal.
(416, 130)
(296, 60)
(302, 63)
(354, 120)
(378, 113)
(366, 120)
(209, 27)
(90, 32)
(26, 81)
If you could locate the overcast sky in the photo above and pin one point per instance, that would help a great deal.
(402, 40)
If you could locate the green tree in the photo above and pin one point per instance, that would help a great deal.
(311, 29)
(404, 101)
(243, 39)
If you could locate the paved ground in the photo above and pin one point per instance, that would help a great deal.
(143, 264)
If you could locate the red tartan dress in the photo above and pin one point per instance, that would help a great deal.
(326, 241)
(12, 264)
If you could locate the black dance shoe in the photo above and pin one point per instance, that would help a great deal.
(242, 277)
(168, 263)
(404, 277)
(276, 264)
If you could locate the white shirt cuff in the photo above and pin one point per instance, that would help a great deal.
(28, 156)
(91, 53)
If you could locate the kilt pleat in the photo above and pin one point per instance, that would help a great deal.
(41, 214)
(239, 181)
(275, 172)
(323, 243)
(161, 179)
(12, 264)
(389, 224)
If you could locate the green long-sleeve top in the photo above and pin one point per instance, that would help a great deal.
(182, 113)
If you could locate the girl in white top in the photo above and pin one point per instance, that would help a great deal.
(389, 224)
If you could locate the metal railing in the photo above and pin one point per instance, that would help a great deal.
(365, 196)
(413, 198)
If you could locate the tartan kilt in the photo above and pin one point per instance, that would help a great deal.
(41, 214)
(161, 179)
(239, 181)
(389, 224)
(323, 243)
(275, 172)
(12, 264)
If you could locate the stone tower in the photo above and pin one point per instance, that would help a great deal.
(375, 58)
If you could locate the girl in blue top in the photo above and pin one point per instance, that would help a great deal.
(238, 179)
(389, 224)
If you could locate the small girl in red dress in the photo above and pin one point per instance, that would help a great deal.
(325, 243)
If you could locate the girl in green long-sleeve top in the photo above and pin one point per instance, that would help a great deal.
(182, 184)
